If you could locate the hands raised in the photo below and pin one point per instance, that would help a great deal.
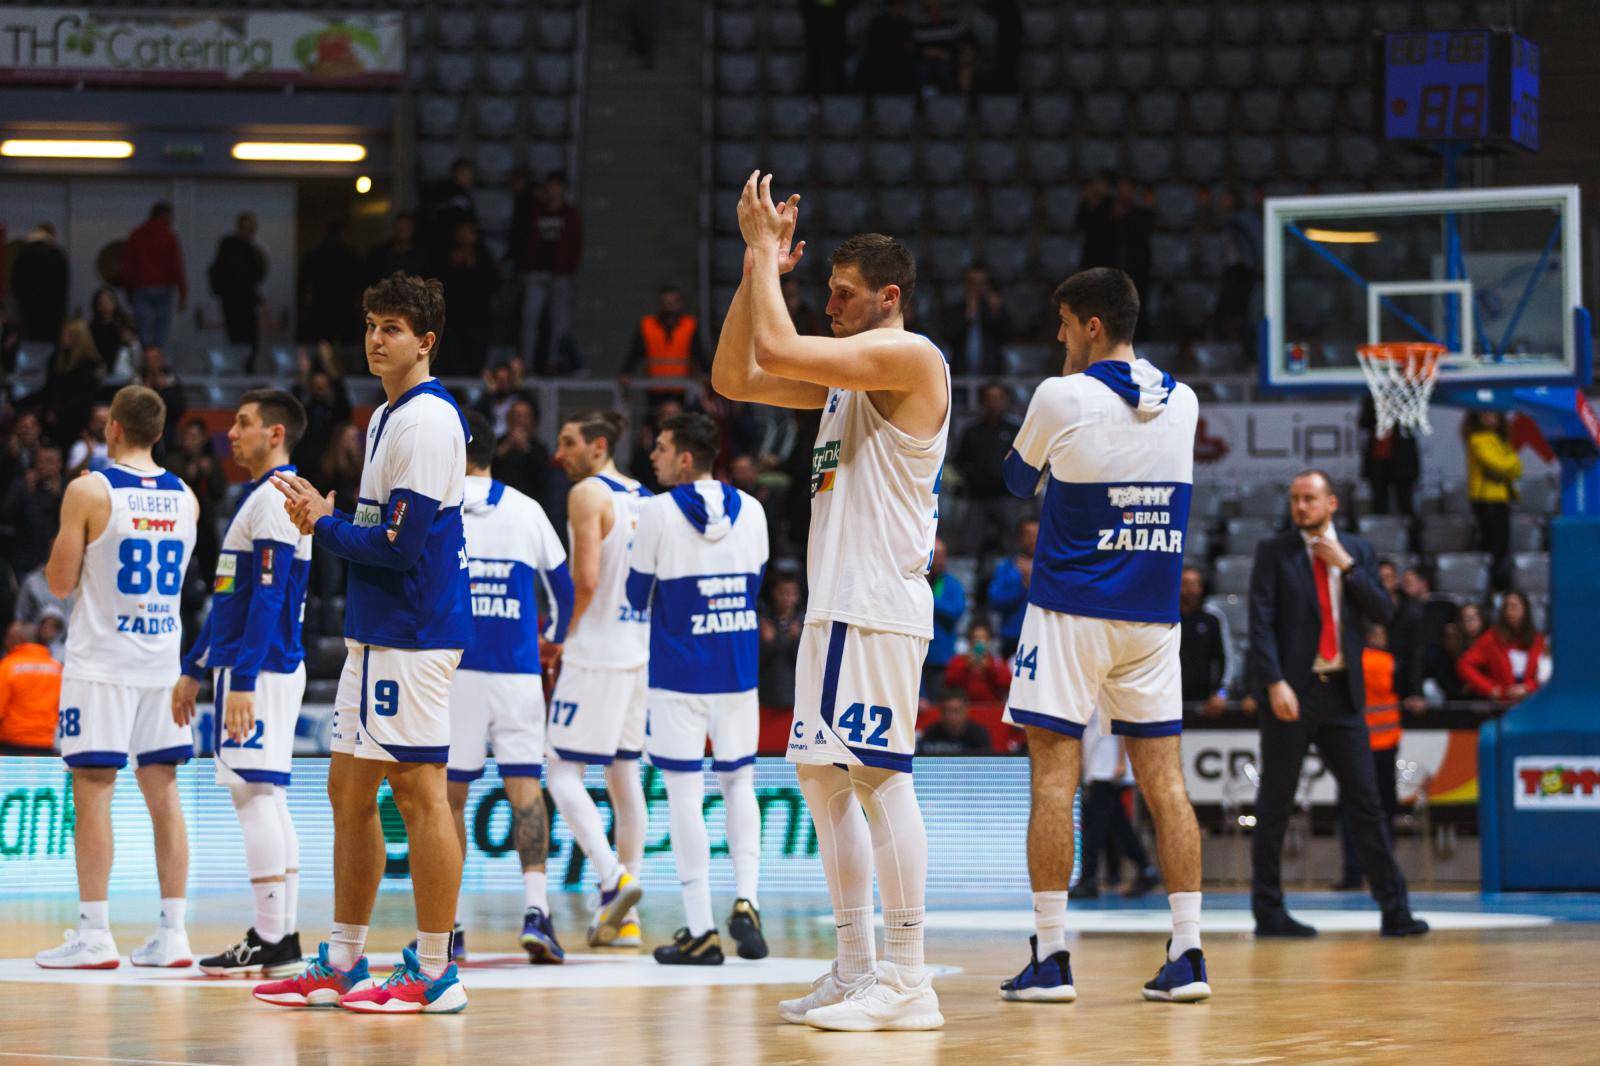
(767, 225)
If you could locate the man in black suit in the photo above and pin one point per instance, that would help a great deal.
(1312, 593)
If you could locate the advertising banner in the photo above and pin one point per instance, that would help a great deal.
(1555, 783)
(1219, 766)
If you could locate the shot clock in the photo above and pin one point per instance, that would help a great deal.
(1459, 85)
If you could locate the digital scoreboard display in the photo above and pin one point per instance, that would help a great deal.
(1460, 85)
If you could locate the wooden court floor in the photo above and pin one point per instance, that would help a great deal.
(1510, 996)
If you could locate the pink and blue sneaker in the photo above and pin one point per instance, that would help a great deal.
(409, 991)
(539, 938)
(1047, 981)
(320, 985)
(1181, 980)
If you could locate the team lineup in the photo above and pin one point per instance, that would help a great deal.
(650, 630)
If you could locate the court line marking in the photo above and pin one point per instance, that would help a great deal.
(98, 1058)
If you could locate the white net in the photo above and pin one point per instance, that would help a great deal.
(1401, 377)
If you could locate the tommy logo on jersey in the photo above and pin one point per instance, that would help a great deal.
(824, 466)
(1146, 512)
(154, 525)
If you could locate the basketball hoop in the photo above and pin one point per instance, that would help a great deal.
(1401, 375)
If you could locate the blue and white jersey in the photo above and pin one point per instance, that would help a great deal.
(611, 635)
(258, 598)
(510, 545)
(1115, 446)
(408, 558)
(125, 628)
(696, 564)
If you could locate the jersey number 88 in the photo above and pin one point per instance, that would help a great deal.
(134, 576)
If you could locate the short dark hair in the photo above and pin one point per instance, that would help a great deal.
(599, 425)
(480, 449)
(1105, 293)
(882, 261)
(142, 414)
(279, 408)
(696, 434)
(160, 209)
(420, 301)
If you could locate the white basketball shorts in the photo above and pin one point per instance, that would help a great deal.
(393, 704)
(597, 714)
(505, 711)
(855, 696)
(1066, 663)
(267, 755)
(678, 724)
(101, 724)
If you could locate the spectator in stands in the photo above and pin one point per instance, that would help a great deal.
(949, 604)
(1409, 636)
(1134, 212)
(1383, 736)
(1097, 224)
(1508, 661)
(470, 283)
(954, 732)
(195, 461)
(1232, 319)
(807, 322)
(76, 373)
(745, 475)
(446, 204)
(781, 624)
(979, 453)
(976, 327)
(53, 632)
(826, 44)
(645, 440)
(1389, 578)
(1202, 646)
(938, 39)
(21, 448)
(152, 272)
(30, 693)
(889, 60)
(666, 344)
(1390, 463)
(1008, 588)
(502, 388)
(1007, 58)
(88, 452)
(1473, 625)
(979, 672)
(1441, 680)
(33, 507)
(154, 373)
(341, 467)
(40, 279)
(401, 253)
(110, 326)
(35, 600)
(330, 290)
(1492, 472)
(553, 251)
(321, 391)
(236, 274)
(521, 460)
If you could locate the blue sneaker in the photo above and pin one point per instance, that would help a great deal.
(1049, 981)
(1181, 980)
(458, 944)
(539, 938)
(409, 991)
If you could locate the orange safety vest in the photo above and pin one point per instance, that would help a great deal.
(1383, 704)
(666, 355)
(30, 693)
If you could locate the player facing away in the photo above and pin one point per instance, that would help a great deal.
(597, 706)
(497, 697)
(251, 644)
(126, 535)
(696, 564)
(1113, 443)
(407, 618)
(885, 399)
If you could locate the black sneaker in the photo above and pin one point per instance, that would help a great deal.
(744, 925)
(686, 950)
(252, 955)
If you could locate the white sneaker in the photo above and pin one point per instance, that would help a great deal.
(883, 1002)
(825, 991)
(167, 948)
(81, 949)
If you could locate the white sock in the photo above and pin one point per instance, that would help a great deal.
(743, 816)
(845, 846)
(291, 901)
(291, 860)
(535, 892)
(95, 915)
(172, 912)
(628, 812)
(565, 779)
(346, 943)
(269, 910)
(1185, 922)
(900, 855)
(433, 953)
(691, 847)
(1050, 922)
(856, 948)
(902, 941)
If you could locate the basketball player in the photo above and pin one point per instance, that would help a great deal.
(126, 535)
(251, 645)
(1113, 442)
(597, 706)
(498, 695)
(885, 399)
(695, 567)
(408, 615)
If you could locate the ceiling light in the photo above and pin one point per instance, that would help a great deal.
(53, 149)
(292, 152)
(1342, 236)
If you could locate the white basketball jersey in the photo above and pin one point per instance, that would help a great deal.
(612, 634)
(125, 628)
(874, 516)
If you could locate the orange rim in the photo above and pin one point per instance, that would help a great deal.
(1402, 351)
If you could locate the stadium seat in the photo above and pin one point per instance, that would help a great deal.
(550, 117)
(1193, 302)
(1010, 208)
(999, 116)
(434, 158)
(1333, 64)
(947, 257)
(1041, 72)
(735, 160)
(1307, 157)
(1244, 533)
(1391, 17)
(1200, 158)
(494, 117)
(1357, 111)
(1158, 112)
(1218, 357)
(1086, 71)
(494, 161)
(1096, 155)
(453, 73)
(894, 116)
(1263, 499)
(1058, 256)
(1006, 258)
(843, 209)
(557, 30)
(945, 116)
(738, 73)
(438, 116)
(1135, 69)
(843, 116)
(1049, 161)
(789, 116)
(1234, 607)
(1539, 609)
(1447, 533)
(790, 160)
(1197, 546)
(1191, 24)
(552, 73)
(952, 209)
(494, 205)
(736, 31)
(1041, 26)
(892, 162)
(1209, 111)
(1169, 256)
(506, 74)
(840, 163)
(507, 30)
(1284, 65)
(727, 259)
(1150, 159)
(1230, 575)
(1442, 15)
(1089, 26)
(1530, 572)
(1241, 23)
(1138, 25)
(1291, 23)
(1208, 252)
(1461, 573)
(1175, 206)
(455, 30)
(1261, 110)
(995, 161)
(1389, 534)
(785, 27)
(1314, 108)
(1539, 496)
(1340, 22)
(943, 163)
(1234, 67)
(1061, 208)
(900, 210)
(1185, 67)
(785, 73)
(1255, 158)
(1050, 116)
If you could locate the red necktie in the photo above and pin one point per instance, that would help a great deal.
(1328, 643)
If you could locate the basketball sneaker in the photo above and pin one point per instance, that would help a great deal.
(689, 950)
(885, 1002)
(252, 955)
(458, 944)
(318, 985)
(613, 911)
(1049, 981)
(539, 938)
(825, 991)
(744, 925)
(631, 934)
(166, 948)
(1181, 980)
(81, 949)
(409, 991)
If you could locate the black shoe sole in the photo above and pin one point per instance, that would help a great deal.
(672, 958)
(751, 944)
(1286, 934)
